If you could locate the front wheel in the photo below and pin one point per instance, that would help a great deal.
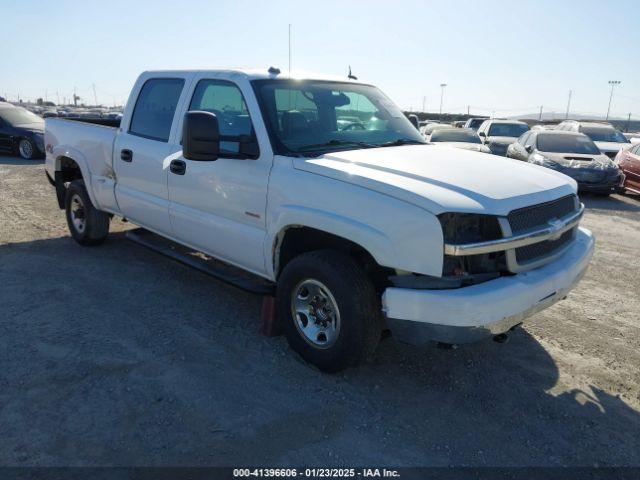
(26, 148)
(88, 225)
(329, 310)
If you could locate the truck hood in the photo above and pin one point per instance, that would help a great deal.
(442, 179)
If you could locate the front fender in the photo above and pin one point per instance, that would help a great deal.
(396, 234)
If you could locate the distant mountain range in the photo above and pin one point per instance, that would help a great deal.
(547, 116)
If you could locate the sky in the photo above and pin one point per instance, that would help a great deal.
(504, 57)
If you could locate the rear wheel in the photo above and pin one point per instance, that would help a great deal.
(26, 148)
(329, 310)
(88, 225)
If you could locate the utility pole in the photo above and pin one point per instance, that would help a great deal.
(613, 83)
(424, 102)
(95, 97)
(58, 97)
(540, 115)
(628, 122)
(289, 50)
(442, 85)
(468, 110)
(566, 117)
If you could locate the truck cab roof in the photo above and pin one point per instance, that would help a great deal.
(252, 74)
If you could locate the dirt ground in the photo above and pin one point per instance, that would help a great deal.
(117, 356)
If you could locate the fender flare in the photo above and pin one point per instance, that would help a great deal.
(61, 151)
(374, 241)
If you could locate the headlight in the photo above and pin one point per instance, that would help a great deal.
(459, 228)
(469, 227)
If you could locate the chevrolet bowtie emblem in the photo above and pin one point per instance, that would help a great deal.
(555, 226)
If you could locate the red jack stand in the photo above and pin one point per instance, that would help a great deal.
(269, 326)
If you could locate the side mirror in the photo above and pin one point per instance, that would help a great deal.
(200, 136)
(529, 148)
(482, 134)
(413, 118)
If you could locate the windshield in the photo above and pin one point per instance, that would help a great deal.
(455, 135)
(19, 116)
(556, 143)
(604, 134)
(315, 117)
(507, 129)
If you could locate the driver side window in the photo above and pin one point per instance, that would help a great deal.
(225, 100)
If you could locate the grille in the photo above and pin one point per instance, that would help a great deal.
(534, 216)
(541, 249)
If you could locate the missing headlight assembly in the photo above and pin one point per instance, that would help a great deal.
(462, 271)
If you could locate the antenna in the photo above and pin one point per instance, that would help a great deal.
(350, 76)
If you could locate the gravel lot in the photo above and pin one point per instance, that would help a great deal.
(117, 356)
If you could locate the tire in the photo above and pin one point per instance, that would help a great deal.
(351, 333)
(88, 225)
(26, 149)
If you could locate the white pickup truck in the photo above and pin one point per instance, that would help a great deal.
(323, 189)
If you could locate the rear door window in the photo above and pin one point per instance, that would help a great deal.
(155, 107)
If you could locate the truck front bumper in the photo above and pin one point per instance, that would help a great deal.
(480, 311)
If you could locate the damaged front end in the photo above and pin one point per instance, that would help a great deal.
(462, 271)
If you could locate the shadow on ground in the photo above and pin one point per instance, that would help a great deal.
(6, 159)
(626, 203)
(116, 356)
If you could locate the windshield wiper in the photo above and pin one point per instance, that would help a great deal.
(335, 143)
(401, 141)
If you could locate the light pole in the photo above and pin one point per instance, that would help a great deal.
(442, 85)
(613, 83)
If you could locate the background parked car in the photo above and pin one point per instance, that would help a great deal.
(429, 128)
(499, 134)
(21, 132)
(464, 138)
(571, 153)
(474, 123)
(628, 160)
(608, 139)
(633, 137)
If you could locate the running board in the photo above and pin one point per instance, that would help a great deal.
(222, 271)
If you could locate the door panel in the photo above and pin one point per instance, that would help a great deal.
(5, 136)
(141, 190)
(219, 206)
(142, 152)
(632, 170)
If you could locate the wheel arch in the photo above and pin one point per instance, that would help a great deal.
(70, 165)
(298, 238)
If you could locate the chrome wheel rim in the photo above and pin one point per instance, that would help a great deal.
(315, 313)
(77, 213)
(26, 150)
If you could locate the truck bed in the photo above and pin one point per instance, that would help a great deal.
(105, 122)
(90, 142)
